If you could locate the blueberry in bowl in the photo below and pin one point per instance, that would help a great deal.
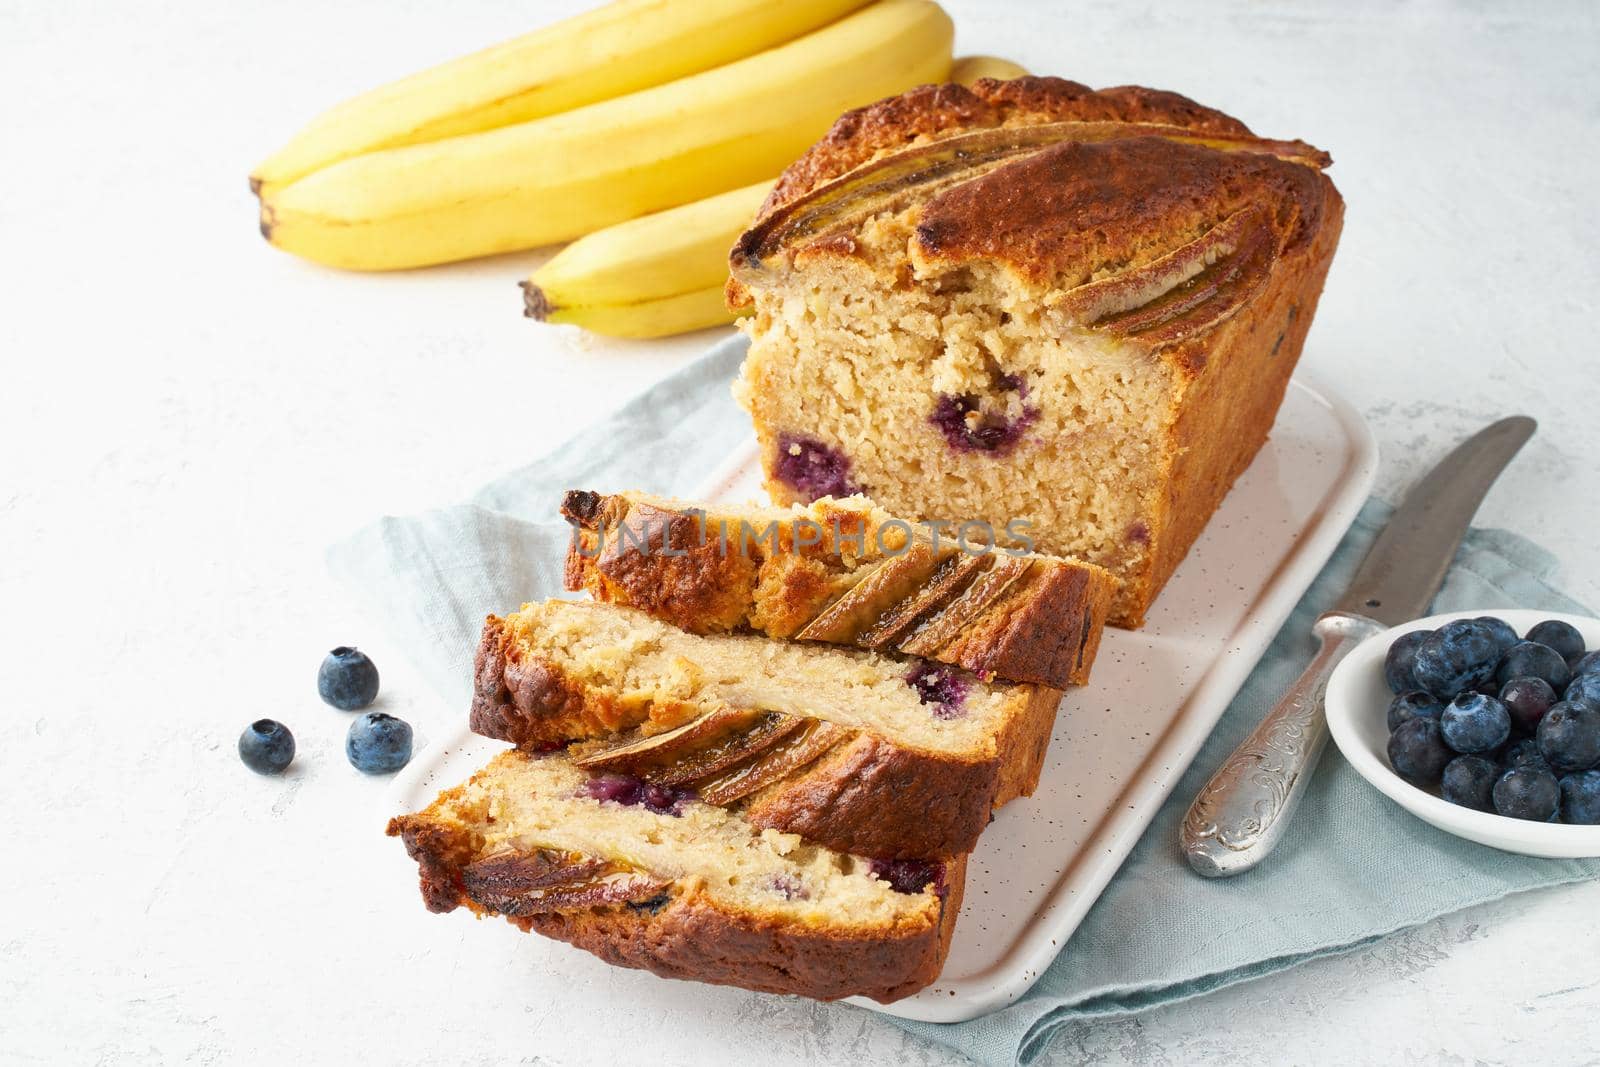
(1585, 688)
(1580, 798)
(1563, 637)
(1569, 736)
(1469, 782)
(1400, 662)
(1527, 699)
(1418, 753)
(1459, 656)
(1473, 723)
(1413, 704)
(1527, 793)
(1529, 659)
(1509, 758)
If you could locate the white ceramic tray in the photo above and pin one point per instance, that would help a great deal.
(1122, 741)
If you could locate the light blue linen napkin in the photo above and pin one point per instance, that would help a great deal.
(1352, 867)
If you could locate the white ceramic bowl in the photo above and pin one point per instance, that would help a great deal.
(1358, 706)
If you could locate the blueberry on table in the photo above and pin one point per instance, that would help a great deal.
(347, 679)
(1458, 656)
(1469, 782)
(1569, 736)
(1585, 688)
(1400, 660)
(1504, 635)
(1527, 699)
(1527, 793)
(1473, 723)
(1418, 753)
(1414, 704)
(1529, 659)
(1524, 753)
(266, 746)
(1561, 636)
(1580, 798)
(378, 743)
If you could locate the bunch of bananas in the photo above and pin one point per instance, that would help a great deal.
(656, 127)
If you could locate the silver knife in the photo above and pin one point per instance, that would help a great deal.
(1242, 811)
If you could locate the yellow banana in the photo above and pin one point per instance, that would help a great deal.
(968, 69)
(650, 276)
(653, 318)
(558, 177)
(614, 50)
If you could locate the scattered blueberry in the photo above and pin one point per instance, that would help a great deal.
(1418, 753)
(1504, 635)
(1585, 688)
(812, 468)
(1527, 699)
(1528, 659)
(1524, 753)
(1458, 656)
(1474, 723)
(1527, 793)
(347, 679)
(1398, 664)
(1561, 636)
(266, 746)
(1588, 663)
(378, 743)
(1569, 736)
(1414, 704)
(1580, 798)
(1469, 782)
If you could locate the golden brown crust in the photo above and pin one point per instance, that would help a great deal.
(1044, 629)
(931, 110)
(685, 934)
(867, 796)
(1063, 215)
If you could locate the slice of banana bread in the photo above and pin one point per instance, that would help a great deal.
(1028, 301)
(854, 750)
(844, 572)
(649, 877)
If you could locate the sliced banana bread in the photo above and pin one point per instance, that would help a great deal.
(845, 572)
(855, 750)
(1030, 301)
(648, 877)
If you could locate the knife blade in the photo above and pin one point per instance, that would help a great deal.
(1241, 813)
(1406, 564)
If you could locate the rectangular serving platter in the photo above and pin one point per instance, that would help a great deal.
(1122, 741)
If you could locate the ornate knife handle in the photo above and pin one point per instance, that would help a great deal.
(1243, 810)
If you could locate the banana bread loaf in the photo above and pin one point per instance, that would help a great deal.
(1030, 301)
(648, 877)
(845, 572)
(854, 750)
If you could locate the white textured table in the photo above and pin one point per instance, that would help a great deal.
(189, 417)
